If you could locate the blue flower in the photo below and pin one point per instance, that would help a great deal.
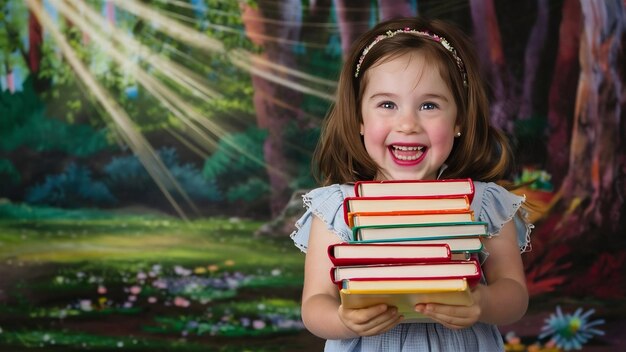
(571, 331)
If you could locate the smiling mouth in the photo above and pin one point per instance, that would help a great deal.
(407, 153)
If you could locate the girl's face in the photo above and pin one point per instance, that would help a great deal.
(409, 117)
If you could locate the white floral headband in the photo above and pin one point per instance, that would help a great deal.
(441, 40)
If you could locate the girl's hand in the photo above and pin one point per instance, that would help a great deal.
(370, 321)
(454, 317)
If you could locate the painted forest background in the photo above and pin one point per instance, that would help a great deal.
(207, 111)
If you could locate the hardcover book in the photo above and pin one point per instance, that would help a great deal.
(403, 204)
(405, 294)
(456, 187)
(457, 245)
(405, 218)
(415, 231)
(388, 253)
(469, 269)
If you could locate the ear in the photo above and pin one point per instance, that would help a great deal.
(457, 129)
(361, 130)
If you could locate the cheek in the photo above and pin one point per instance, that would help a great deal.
(443, 139)
(374, 137)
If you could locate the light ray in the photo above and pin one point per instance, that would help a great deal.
(156, 88)
(196, 39)
(243, 55)
(184, 111)
(147, 156)
(174, 71)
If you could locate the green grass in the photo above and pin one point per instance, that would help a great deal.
(120, 239)
(69, 274)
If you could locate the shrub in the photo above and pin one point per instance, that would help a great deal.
(73, 188)
(127, 177)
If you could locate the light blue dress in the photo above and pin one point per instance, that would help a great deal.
(492, 204)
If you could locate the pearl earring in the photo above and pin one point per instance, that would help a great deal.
(458, 134)
(361, 133)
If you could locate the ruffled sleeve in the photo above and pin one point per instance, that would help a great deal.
(496, 206)
(327, 204)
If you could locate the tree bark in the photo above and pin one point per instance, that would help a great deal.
(35, 41)
(491, 56)
(593, 190)
(352, 21)
(532, 58)
(388, 9)
(274, 39)
(564, 84)
(10, 80)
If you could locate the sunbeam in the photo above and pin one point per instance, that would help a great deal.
(184, 111)
(198, 40)
(135, 140)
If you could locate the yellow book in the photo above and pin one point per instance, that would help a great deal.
(405, 294)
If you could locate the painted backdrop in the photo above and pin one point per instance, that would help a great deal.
(152, 154)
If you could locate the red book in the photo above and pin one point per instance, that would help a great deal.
(403, 204)
(450, 187)
(469, 269)
(387, 253)
(408, 218)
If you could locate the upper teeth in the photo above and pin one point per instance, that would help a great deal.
(405, 148)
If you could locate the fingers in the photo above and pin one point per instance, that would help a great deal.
(370, 321)
(452, 317)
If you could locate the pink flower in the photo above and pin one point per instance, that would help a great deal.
(102, 290)
(135, 290)
(258, 324)
(181, 302)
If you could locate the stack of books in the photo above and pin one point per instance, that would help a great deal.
(413, 242)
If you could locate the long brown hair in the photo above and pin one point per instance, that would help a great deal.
(481, 153)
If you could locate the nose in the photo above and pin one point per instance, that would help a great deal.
(408, 122)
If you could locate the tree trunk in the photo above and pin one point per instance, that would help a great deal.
(532, 58)
(35, 40)
(388, 9)
(353, 20)
(318, 14)
(9, 73)
(564, 84)
(593, 190)
(491, 56)
(35, 43)
(274, 39)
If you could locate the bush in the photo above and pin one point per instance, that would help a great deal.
(127, 177)
(24, 124)
(9, 173)
(73, 188)
(240, 172)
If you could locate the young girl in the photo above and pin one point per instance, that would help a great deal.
(411, 105)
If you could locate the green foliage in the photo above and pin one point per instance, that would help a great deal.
(73, 188)
(24, 124)
(13, 17)
(238, 319)
(26, 212)
(44, 134)
(535, 179)
(239, 170)
(127, 177)
(230, 30)
(8, 172)
(533, 127)
(249, 191)
(301, 144)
